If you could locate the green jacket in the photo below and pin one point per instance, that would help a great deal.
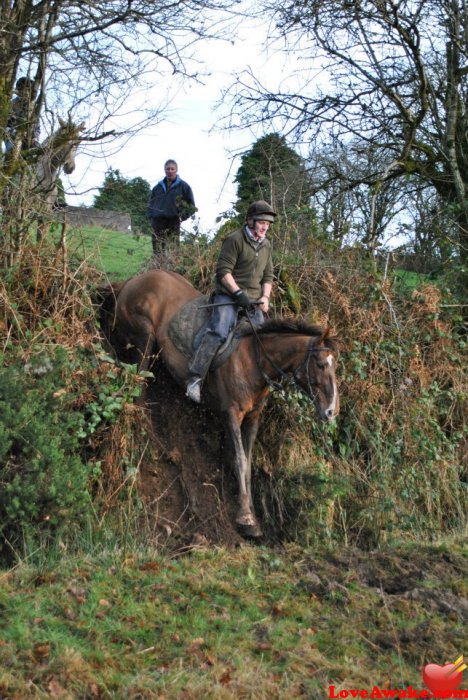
(251, 265)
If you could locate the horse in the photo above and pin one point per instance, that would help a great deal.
(58, 152)
(141, 310)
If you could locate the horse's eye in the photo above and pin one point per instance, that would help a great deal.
(321, 365)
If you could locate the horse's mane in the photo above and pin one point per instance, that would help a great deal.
(58, 151)
(56, 136)
(66, 132)
(295, 326)
(50, 139)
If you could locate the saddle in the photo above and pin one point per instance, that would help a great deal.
(188, 326)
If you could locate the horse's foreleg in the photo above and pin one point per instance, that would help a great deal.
(246, 516)
(249, 430)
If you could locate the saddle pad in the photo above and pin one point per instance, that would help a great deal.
(188, 325)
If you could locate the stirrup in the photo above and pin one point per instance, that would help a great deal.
(194, 389)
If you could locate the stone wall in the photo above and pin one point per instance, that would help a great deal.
(87, 216)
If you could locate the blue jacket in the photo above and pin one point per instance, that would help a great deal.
(177, 200)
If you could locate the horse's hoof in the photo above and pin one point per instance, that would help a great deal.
(253, 532)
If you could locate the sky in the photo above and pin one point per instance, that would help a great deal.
(205, 156)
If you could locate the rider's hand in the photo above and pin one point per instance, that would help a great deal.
(263, 303)
(242, 299)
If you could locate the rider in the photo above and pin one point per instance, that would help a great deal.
(244, 274)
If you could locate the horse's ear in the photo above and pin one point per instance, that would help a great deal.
(325, 334)
(62, 122)
(331, 340)
(81, 127)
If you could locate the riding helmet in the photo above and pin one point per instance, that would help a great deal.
(261, 211)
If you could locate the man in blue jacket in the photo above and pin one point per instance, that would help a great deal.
(171, 202)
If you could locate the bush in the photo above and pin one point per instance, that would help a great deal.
(51, 410)
(393, 466)
(44, 481)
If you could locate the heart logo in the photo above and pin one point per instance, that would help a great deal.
(442, 680)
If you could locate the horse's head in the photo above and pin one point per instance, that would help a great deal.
(58, 152)
(68, 138)
(316, 375)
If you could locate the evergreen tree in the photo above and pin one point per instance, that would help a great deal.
(273, 171)
(127, 195)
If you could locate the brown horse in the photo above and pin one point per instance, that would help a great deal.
(236, 390)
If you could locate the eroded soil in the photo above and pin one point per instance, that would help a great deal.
(188, 486)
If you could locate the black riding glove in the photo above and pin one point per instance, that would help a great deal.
(242, 299)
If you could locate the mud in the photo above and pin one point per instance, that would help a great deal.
(187, 483)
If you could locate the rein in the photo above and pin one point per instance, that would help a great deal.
(276, 386)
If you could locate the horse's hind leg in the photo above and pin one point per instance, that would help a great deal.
(246, 517)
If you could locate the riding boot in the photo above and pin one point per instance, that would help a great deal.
(200, 364)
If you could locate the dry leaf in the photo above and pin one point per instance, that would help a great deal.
(195, 645)
(56, 690)
(225, 677)
(41, 651)
(151, 566)
(94, 690)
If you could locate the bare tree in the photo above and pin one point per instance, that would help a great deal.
(97, 51)
(396, 82)
(88, 59)
(352, 208)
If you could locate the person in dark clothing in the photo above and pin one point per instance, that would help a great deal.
(171, 202)
(21, 119)
(244, 274)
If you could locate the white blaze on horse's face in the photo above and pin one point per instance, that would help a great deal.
(325, 388)
(332, 411)
(69, 164)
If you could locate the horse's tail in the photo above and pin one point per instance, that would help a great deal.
(104, 301)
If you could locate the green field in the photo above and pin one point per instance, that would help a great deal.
(119, 255)
(256, 623)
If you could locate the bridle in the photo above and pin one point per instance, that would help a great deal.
(305, 364)
(285, 377)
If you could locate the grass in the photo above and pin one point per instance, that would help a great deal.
(122, 255)
(119, 255)
(251, 623)
(215, 624)
(410, 280)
